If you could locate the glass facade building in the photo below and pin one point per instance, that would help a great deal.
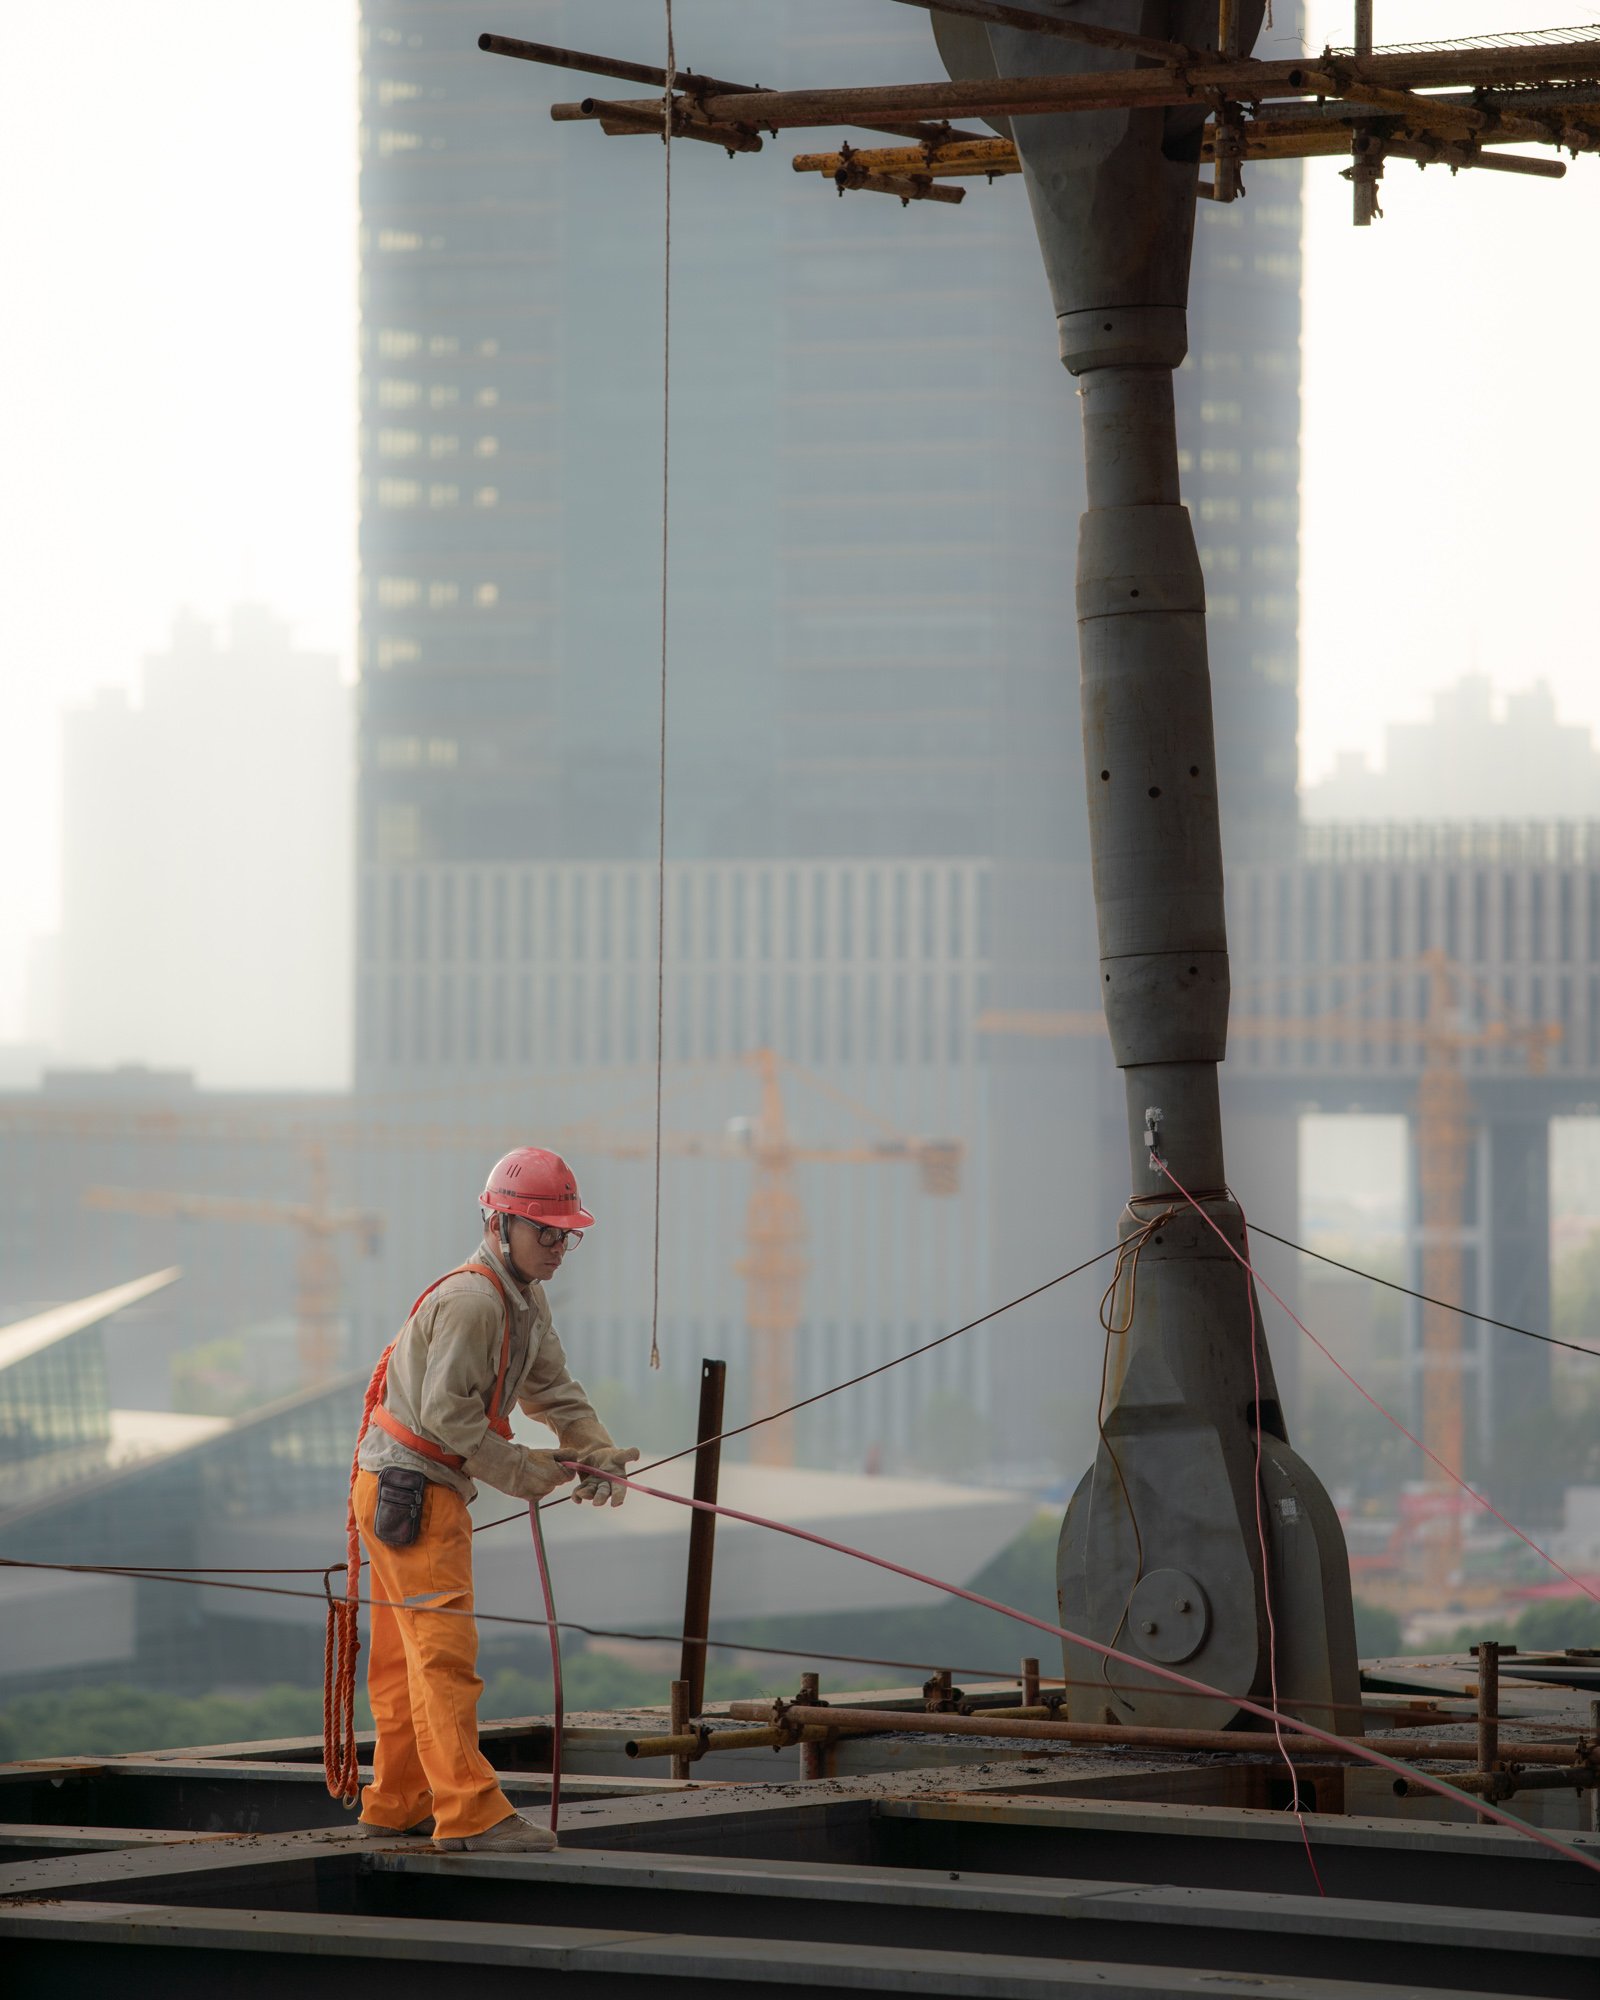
(54, 1404)
(876, 479)
(166, 1508)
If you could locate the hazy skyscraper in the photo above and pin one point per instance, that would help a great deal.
(875, 488)
(206, 910)
(873, 709)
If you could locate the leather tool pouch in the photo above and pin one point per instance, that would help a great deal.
(398, 1518)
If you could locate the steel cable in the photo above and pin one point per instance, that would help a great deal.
(1363, 1752)
(153, 1574)
(688, 1450)
(1433, 1457)
(866, 1375)
(1427, 1298)
(608, 1632)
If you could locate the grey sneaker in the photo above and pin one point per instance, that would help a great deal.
(367, 1829)
(515, 1835)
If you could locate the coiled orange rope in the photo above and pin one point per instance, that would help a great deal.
(341, 1638)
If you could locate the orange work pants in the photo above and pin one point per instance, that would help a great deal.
(422, 1675)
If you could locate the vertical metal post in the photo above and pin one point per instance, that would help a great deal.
(1227, 136)
(1593, 1793)
(810, 1753)
(1366, 154)
(1030, 1681)
(702, 1533)
(938, 1692)
(678, 1724)
(1488, 1657)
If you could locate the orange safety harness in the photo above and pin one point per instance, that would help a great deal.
(374, 1412)
(341, 1642)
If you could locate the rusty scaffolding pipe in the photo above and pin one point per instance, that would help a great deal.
(1496, 1785)
(880, 1721)
(692, 1744)
(1488, 1656)
(1102, 90)
(1049, 1709)
(908, 187)
(872, 104)
(678, 1722)
(1263, 140)
(625, 72)
(633, 118)
(692, 85)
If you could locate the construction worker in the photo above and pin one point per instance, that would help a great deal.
(478, 1341)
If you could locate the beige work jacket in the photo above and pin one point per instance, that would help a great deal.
(442, 1376)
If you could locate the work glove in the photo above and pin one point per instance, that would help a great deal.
(537, 1473)
(604, 1458)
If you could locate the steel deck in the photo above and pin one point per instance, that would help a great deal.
(180, 1874)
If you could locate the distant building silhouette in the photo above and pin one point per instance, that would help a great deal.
(206, 863)
(1473, 759)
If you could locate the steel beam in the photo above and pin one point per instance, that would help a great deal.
(138, 1952)
(886, 1881)
(998, 1823)
(199, 1796)
(1213, 1847)
(921, 1924)
(22, 1842)
(1134, 1922)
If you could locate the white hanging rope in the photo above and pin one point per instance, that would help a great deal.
(661, 766)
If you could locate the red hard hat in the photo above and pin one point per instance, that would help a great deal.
(537, 1185)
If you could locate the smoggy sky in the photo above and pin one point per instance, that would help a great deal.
(179, 241)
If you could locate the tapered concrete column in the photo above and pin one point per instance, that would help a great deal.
(1161, 1550)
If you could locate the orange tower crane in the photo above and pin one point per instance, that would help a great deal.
(1444, 1151)
(315, 1220)
(1457, 1018)
(773, 1265)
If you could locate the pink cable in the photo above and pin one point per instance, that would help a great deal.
(1360, 1750)
(555, 1662)
(1266, 1579)
(1449, 1471)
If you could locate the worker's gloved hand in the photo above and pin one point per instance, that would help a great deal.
(539, 1473)
(604, 1458)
